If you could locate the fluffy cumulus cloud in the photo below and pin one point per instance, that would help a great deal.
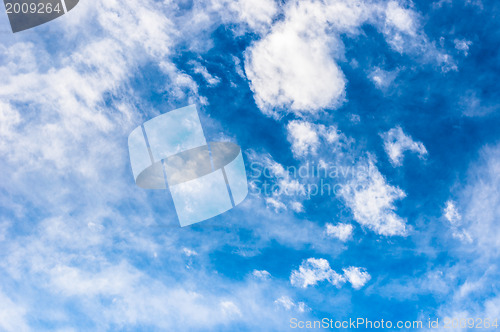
(396, 143)
(356, 276)
(293, 68)
(288, 72)
(371, 200)
(315, 270)
(306, 137)
(341, 231)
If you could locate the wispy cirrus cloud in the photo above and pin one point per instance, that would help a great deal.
(75, 230)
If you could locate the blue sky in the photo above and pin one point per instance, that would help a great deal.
(404, 90)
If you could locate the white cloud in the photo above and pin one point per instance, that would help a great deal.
(66, 145)
(454, 217)
(314, 270)
(285, 302)
(133, 297)
(67, 100)
(302, 307)
(67, 117)
(189, 252)
(330, 133)
(290, 71)
(402, 19)
(473, 105)
(230, 309)
(136, 298)
(288, 304)
(382, 79)
(258, 14)
(275, 204)
(356, 276)
(306, 136)
(451, 213)
(63, 120)
(371, 200)
(463, 45)
(9, 118)
(241, 16)
(199, 69)
(396, 142)
(297, 207)
(355, 118)
(261, 274)
(480, 202)
(12, 315)
(461, 235)
(404, 34)
(436, 282)
(341, 231)
(288, 192)
(293, 68)
(473, 217)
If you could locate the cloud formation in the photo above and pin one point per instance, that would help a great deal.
(306, 137)
(341, 231)
(294, 69)
(371, 200)
(396, 143)
(356, 276)
(315, 270)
